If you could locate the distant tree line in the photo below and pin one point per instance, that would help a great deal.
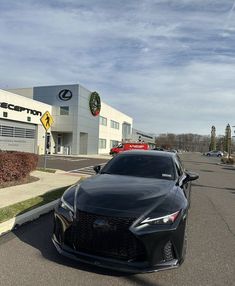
(186, 142)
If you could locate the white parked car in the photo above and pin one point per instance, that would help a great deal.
(215, 153)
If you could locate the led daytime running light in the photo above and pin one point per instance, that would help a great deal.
(165, 219)
(65, 205)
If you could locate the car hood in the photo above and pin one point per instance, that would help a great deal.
(122, 195)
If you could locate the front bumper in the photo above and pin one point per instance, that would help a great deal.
(141, 267)
(153, 240)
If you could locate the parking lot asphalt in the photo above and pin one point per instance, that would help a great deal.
(69, 163)
(28, 257)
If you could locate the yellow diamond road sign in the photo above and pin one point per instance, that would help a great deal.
(47, 120)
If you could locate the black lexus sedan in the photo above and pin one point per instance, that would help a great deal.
(130, 217)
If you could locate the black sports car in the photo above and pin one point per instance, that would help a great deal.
(131, 216)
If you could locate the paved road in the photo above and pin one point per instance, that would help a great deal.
(28, 257)
(71, 164)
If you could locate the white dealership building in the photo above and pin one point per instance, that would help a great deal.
(83, 124)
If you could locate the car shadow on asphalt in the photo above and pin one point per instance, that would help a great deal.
(38, 235)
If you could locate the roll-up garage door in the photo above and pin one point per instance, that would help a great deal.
(17, 136)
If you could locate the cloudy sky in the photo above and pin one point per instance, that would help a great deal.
(170, 64)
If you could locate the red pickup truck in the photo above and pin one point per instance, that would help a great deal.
(128, 146)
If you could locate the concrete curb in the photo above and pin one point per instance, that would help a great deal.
(26, 217)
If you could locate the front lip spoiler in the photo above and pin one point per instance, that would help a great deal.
(130, 267)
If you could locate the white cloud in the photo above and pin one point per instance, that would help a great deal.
(169, 64)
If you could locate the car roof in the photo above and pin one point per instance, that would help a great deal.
(148, 153)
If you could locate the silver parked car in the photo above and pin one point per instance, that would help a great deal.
(215, 153)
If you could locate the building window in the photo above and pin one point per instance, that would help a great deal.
(102, 143)
(29, 133)
(126, 130)
(29, 119)
(10, 131)
(103, 121)
(20, 132)
(5, 114)
(64, 110)
(7, 131)
(113, 143)
(114, 124)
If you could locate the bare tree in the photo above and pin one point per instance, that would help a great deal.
(186, 142)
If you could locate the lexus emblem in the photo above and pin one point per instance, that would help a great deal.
(65, 94)
(101, 224)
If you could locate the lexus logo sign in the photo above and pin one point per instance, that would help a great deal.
(65, 94)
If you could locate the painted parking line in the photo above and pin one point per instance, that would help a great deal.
(85, 170)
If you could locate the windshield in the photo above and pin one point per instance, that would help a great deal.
(158, 167)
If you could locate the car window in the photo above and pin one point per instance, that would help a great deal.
(179, 168)
(147, 166)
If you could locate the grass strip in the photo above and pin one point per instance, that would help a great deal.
(46, 170)
(11, 211)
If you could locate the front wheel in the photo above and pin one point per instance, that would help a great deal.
(185, 241)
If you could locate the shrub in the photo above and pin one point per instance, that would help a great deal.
(227, 160)
(15, 166)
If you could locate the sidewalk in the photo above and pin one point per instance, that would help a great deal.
(47, 182)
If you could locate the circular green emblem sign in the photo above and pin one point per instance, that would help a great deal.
(95, 103)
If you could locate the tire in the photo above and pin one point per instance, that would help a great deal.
(185, 244)
(219, 155)
(185, 240)
(208, 155)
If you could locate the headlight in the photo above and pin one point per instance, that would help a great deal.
(67, 200)
(167, 219)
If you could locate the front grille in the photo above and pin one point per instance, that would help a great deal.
(114, 240)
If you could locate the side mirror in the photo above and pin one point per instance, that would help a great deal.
(191, 176)
(97, 169)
